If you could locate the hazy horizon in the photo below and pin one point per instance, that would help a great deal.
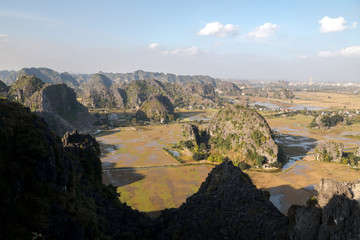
(264, 41)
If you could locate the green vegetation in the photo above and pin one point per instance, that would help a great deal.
(32, 159)
(351, 159)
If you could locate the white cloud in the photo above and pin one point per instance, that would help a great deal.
(353, 51)
(264, 31)
(153, 45)
(218, 29)
(329, 24)
(217, 44)
(3, 35)
(302, 56)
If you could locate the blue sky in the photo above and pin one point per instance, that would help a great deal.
(262, 40)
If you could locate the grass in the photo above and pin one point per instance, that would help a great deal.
(357, 137)
(163, 187)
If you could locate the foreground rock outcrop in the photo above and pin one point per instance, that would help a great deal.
(336, 215)
(227, 206)
(54, 188)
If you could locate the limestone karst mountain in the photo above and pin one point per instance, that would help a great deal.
(55, 102)
(241, 133)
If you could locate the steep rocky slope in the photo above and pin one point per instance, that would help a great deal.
(58, 100)
(241, 133)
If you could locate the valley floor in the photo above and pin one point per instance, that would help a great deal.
(150, 180)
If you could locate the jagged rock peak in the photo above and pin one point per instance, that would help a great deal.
(227, 206)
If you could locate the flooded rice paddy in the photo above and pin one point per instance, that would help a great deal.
(150, 180)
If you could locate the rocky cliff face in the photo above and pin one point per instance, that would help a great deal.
(245, 133)
(337, 215)
(227, 206)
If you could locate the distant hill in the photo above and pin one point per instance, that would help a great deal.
(8, 76)
(100, 92)
(48, 75)
(170, 78)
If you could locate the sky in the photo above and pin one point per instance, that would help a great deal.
(250, 40)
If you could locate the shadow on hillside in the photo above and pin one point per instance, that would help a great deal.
(121, 177)
(153, 214)
(105, 133)
(294, 145)
(283, 196)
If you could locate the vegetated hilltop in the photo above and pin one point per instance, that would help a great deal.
(243, 135)
(334, 152)
(55, 102)
(237, 133)
(156, 108)
(51, 188)
(327, 120)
